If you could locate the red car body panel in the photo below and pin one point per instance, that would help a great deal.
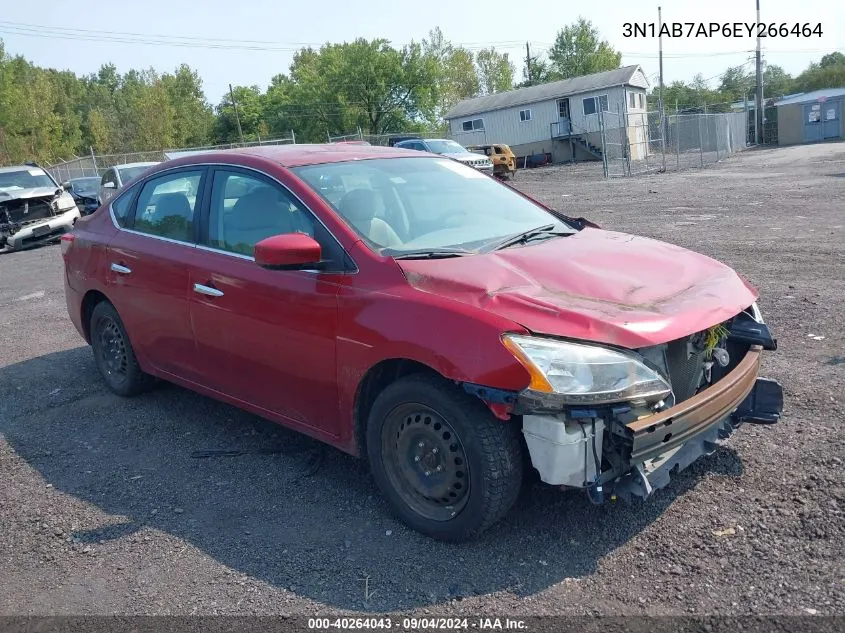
(595, 285)
(270, 339)
(294, 346)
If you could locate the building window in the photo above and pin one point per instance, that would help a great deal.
(593, 104)
(525, 115)
(641, 99)
(632, 100)
(474, 124)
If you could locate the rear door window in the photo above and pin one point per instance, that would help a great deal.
(166, 205)
(120, 207)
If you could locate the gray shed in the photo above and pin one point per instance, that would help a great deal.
(558, 118)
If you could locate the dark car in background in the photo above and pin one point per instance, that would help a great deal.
(85, 192)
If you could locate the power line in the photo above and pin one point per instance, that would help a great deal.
(128, 37)
(131, 37)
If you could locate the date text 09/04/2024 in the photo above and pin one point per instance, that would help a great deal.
(723, 29)
(412, 624)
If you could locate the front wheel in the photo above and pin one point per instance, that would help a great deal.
(447, 467)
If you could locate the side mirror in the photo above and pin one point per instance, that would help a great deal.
(66, 185)
(109, 185)
(289, 251)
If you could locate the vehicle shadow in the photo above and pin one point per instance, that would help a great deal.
(285, 509)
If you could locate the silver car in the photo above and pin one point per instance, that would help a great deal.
(117, 176)
(449, 148)
(33, 208)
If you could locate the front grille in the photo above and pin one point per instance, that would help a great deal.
(685, 369)
(25, 211)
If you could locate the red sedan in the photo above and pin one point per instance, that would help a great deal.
(411, 310)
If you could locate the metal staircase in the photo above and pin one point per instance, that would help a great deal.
(584, 144)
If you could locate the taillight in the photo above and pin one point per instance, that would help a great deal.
(67, 241)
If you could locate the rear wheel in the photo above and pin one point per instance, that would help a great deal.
(113, 353)
(446, 466)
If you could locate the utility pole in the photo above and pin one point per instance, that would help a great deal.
(664, 127)
(528, 63)
(237, 118)
(660, 55)
(758, 112)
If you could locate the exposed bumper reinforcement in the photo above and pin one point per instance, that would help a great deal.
(650, 476)
(657, 434)
(684, 433)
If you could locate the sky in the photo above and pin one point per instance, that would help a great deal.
(246, 42)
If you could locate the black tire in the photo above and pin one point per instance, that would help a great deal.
(418, 414)
(113, 353)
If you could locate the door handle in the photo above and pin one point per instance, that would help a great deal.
(207, 290)
(123, 270)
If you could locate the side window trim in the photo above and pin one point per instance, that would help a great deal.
(347, 265)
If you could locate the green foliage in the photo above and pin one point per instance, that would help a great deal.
(495, 71)
(579, 50)
(47, 115)
(456, 77)
(828, 73)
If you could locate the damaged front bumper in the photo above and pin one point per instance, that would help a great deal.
(17, 236)
(672, 440)
(632, 455)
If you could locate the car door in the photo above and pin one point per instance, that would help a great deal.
(147, 267)
(265, 337)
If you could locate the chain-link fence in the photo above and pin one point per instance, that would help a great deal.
(651, 142)
(613, 143)
(97, 164)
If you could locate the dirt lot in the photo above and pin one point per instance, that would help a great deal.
(103, 508)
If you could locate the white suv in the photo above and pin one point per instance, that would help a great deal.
(449, 148)
(117, 176)
(33, 208)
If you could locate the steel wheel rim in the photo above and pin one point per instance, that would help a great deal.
(425, 462)
(112, 349)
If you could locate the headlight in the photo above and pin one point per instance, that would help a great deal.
(65, 202)
(586, 374)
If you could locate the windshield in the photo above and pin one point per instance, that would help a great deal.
(25, 179)
(399, 205)
(446, 147)
(129, 173)
(85, 185)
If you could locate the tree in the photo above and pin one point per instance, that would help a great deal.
(776, 81)
(828, 73)
(456, 77)
(495, 71)
(541, 72)
(248, 100)
(736, 81)
(832, 59)
(579, 50)
(193, 118)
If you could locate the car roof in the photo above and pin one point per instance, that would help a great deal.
(301, 154)
(125, 165)
(11, 168)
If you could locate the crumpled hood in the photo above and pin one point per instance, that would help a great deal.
(22, 194)
(595, 285)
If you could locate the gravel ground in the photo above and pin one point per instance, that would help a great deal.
(103, 508)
